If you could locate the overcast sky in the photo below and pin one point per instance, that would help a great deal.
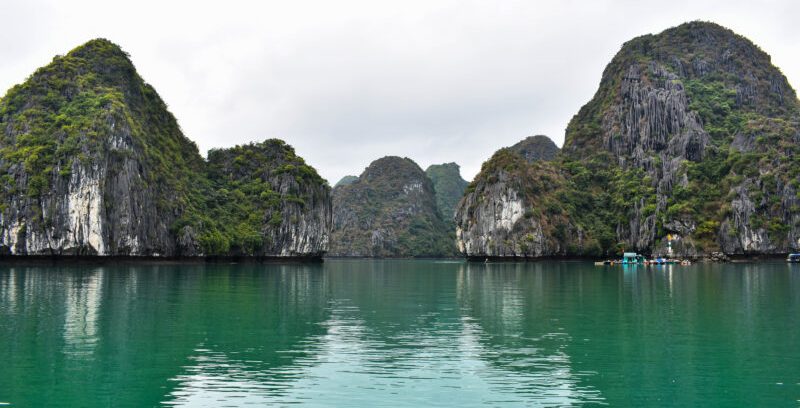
(346, 82)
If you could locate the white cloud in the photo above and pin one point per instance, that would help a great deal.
(347, 82)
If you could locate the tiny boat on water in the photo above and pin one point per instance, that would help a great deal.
(793, 258)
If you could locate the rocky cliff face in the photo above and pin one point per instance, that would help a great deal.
(85, 148)
(269, 202)
(448, 186)
(693, 135)
(509, 210)
(93, 163)
(390, 211)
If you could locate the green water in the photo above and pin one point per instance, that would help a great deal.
(400, 333)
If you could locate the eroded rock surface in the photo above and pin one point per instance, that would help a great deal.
(692, 135)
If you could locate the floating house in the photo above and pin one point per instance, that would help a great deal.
(632, 258)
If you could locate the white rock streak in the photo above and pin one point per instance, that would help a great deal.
(508, 209)
(85, 203)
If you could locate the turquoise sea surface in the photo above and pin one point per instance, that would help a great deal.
(394, 333)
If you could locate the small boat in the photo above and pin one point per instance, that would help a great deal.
(793, 258)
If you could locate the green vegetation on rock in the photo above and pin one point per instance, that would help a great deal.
(390, 211)
(257, 189)
(449, 187)
(535, 148)
(692, 133)
(94, 163)
(345, 181)
(64, 111)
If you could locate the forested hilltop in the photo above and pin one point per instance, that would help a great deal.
(449, 187)
(692, 134)
(93, 163)
(390, 210)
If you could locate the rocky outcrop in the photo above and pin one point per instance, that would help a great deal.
(390, 211)
(718, 257)
(448, 186)
(496, 215)
(509, 210)
(652, 115)
(97, 207)
(271, 202)
(93, 163)
(692, 135)
(683, 106)
(84, 155)
(535, 148)
(651, 127)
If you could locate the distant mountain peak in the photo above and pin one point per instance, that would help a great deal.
(449, 187)
(390, 212)
(346, 180)
(534, 148)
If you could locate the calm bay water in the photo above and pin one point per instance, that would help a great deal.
(400, 333)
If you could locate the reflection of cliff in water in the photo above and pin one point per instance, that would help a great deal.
(400, 322)
(633, 332)
(383, 328)
(675, 326)
(400, 327)
(136, 329)
(510, 309)
(353, 332)
(261, 320)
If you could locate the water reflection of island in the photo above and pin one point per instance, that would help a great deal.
(394, 331)
(519, 332)
(402, 332)
(122, 334)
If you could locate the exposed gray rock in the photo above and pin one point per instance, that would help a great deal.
(489, 220)
(697, 114)
(390, 211)
(718, 257)
(93, 163)
(501, 214)
(102, 208)
(653, 118)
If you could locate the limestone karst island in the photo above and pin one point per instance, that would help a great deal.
(647, 256)
(691, 135)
